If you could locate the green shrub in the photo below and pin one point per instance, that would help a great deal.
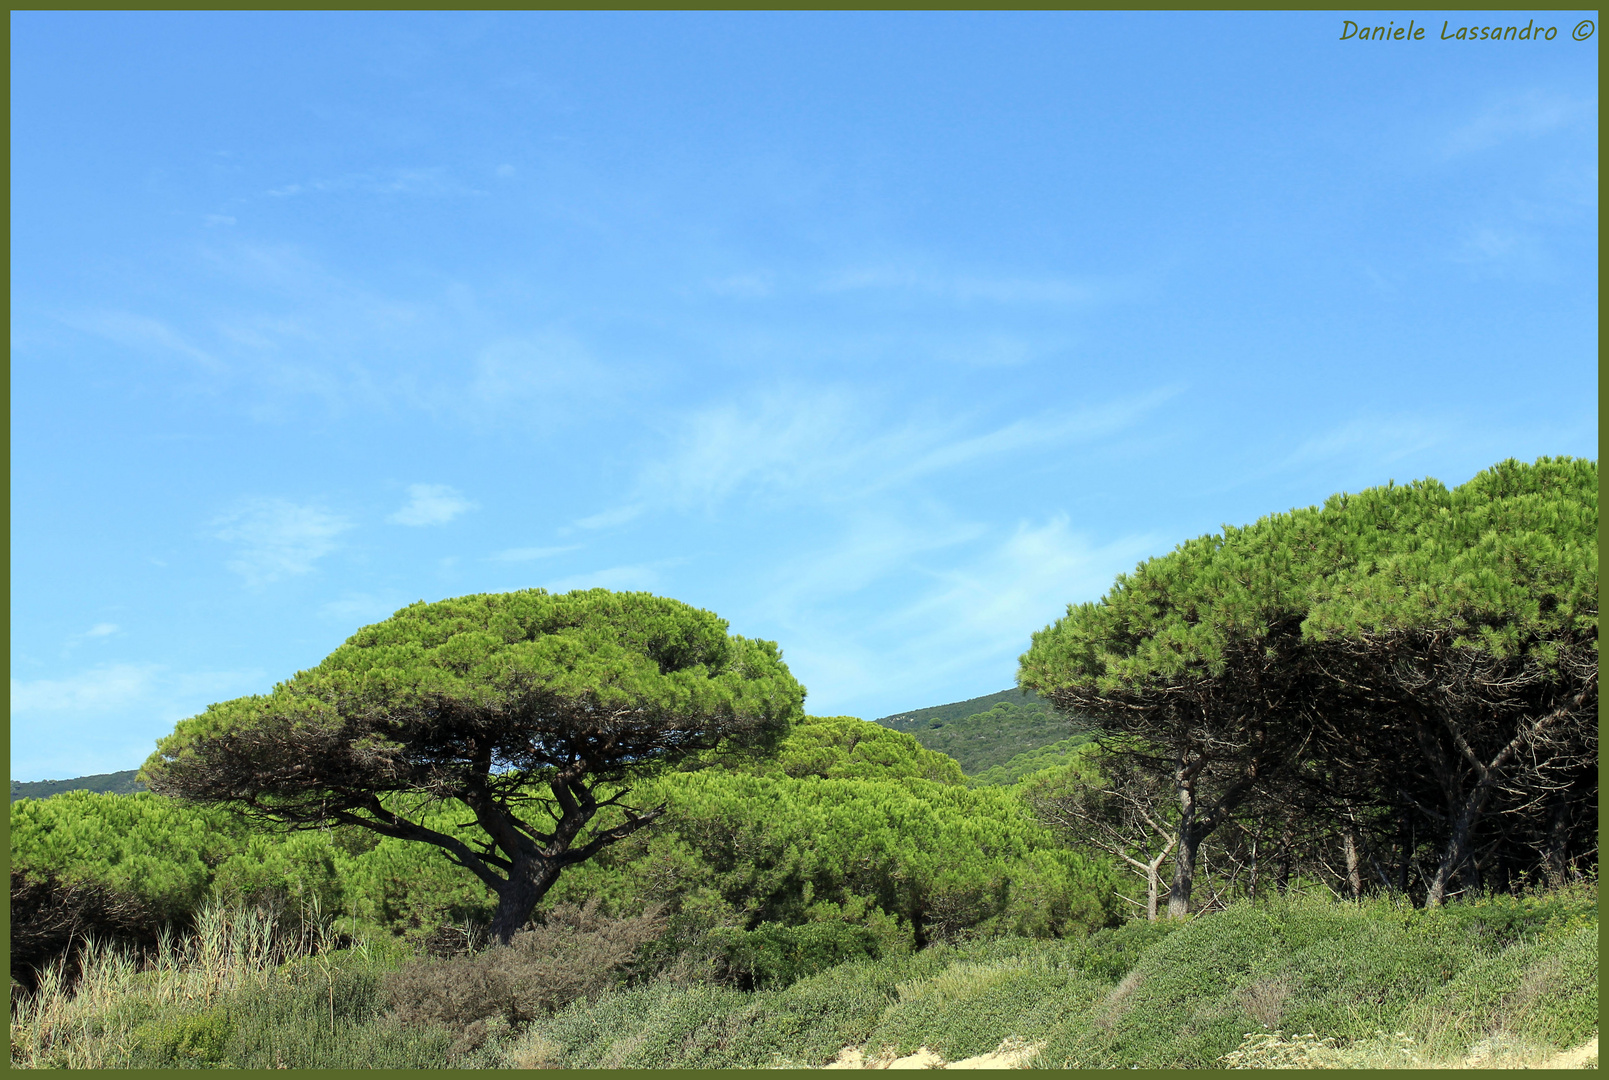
(1111, 952)
(329, 1015)
(1544, 989)
(773, 956)
(189, 1040)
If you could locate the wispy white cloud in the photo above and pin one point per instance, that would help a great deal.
(1032, 433)
(873, 548)
(959, 624)
(1019, 585)
(995, 350)
(431, 504)
(778, 441)
(425, 182)
(549, 377)
(145, 334)
(830, 446)
(1520, 116)
(107, 718)
(743, 286)
(967, 288)
(94, 691)
(98, 632)
(609, 518)
(1377, 440)
(1501, 250)
(531, 554)
(276, 538)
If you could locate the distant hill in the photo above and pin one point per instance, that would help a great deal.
(112, 783)
(956, 710)
(984, 732)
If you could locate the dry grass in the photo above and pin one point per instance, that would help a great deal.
(87, 1023)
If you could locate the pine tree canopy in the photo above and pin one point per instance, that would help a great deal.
(1508, 562)
(490, 699)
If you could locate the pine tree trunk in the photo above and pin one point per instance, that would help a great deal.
(528, 882)
(1354, 866)
(1405, 842)
(1184, 861)
(1558, 853)
(1453, 856)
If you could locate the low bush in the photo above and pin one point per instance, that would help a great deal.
(1111, 952)
(773, 956)
(242, 991)
(574, 953)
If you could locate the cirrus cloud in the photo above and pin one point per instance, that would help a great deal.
(431, 504)
(277, 538)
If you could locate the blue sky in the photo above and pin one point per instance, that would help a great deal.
(884, 336)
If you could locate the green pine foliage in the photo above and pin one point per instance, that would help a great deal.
(862, 826)
(173, 856)
(848, 748)
(939, 859)
(141, 844)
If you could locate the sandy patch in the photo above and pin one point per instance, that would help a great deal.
(1011, 1054)
(1584, 1056)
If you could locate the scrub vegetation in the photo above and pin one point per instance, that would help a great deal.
(1318, 792)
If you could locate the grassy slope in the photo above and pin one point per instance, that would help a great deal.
(1387, 985)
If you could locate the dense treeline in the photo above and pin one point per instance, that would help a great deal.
(848, 823)
(1401, 684)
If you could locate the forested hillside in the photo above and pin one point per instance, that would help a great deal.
(985, 732)
(117, 783)
(913, 719)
